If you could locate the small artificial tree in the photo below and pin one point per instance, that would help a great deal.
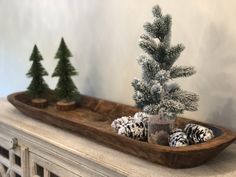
(156, 93)
(38, 86)
(65, 89)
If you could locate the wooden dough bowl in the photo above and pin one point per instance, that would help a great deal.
(94, 116)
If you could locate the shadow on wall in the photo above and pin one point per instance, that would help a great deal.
(93, 76)
(218, 99)
(92, 79)
(225, 113)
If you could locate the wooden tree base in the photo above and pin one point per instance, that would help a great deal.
(65, 106)
(39, 103)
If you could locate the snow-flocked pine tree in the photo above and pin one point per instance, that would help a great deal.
(156, 93)
(38, 86)
(65, 88)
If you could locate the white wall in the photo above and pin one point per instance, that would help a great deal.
(103, 36)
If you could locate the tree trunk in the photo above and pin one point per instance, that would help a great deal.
(65, 105)
(39, 103)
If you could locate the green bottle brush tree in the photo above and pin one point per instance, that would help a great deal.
(65, 90)
(38, 87)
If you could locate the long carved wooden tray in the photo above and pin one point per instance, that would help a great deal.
(93, 118)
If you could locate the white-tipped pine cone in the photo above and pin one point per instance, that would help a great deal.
(134, 130)
(178, 138)
(198, 133)
(135, 127)
(120, 122)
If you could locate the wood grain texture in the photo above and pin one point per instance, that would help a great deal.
(94, 116)
(39, 103)
(66, 106)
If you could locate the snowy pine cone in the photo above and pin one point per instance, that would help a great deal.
(120, 122)
(178, 138)
(197, 133)
(134, 127)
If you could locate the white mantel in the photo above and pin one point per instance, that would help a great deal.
(82, 157)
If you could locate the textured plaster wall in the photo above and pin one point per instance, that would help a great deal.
(103, 36)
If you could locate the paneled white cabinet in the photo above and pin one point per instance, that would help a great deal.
(19, 158)
(29, 148)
